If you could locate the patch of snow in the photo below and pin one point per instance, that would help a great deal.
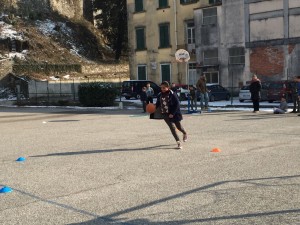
(53, 78)
(60, 29)
(18, 55)
(7, 31)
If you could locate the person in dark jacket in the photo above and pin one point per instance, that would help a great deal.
(193, 98)
(144, 98)
(255, 88)
(296, 94)
(169, 105)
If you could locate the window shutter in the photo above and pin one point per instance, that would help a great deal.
(140, 39)
(164, 35)
(163, 3)
(139, 6)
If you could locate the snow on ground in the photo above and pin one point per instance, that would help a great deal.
(235, 105)
(7, 31)
(49, 27)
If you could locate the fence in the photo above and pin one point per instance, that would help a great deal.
(58, 91)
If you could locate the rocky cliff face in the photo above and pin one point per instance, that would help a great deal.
(73, 9)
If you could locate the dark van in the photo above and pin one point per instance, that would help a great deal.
(277, 89)
(133, 88)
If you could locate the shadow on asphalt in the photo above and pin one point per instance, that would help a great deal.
(261, 116)
(158, 147)
(111, 218)
(108, 219)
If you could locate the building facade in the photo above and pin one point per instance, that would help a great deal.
(156, 30)
(272, 35)
(227, 40)
(238, 38)
(220, 43)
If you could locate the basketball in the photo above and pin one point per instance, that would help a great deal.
(150, 108)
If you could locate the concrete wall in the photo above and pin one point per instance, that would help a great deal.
(273, 37)
(228, 33)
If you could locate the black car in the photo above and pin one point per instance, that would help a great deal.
(133, 88)
(217, 92)
(282, 88)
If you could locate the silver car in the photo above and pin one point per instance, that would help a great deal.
(245, 95)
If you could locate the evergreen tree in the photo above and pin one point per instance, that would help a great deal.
(112, 21)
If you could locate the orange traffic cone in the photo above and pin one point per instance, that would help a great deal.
(216, 150)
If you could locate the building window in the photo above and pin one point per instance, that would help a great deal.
(165, 70)
(164, 35)
(212, 77)
(163, 3)
(213, 2)
(142, 72)
(140, 38)
(211, 57)
(209, 16)
(192, 73)
(237, 55)
(139, 5)
(191, 33)
(188, 1)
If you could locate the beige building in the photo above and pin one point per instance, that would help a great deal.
(157, 29)
(227, 40)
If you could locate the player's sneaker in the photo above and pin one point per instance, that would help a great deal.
(184, 137)
(179, 146)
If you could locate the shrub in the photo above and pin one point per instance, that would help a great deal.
(96, 94)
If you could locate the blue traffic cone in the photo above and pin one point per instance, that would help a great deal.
(21, 159)
(5, 189)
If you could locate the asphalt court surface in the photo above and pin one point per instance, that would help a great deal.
(118, 167)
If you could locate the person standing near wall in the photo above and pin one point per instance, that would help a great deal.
(193, 98)
(295, 97)
(298, 90)
(255, 88)
(150, 93)
(202, 89)
(144, 98)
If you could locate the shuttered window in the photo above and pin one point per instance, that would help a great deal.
(142, 74)
(163, 3)
(211, 57)
(209, 16)
(140, 38)
(164, 35)
(139, 5)
(165, 72)
(188, 1)
(237, 55)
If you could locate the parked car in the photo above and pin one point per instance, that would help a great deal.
(133, 88)
(217, 92)
(245, 95)
(182, 91)
(277, 89)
